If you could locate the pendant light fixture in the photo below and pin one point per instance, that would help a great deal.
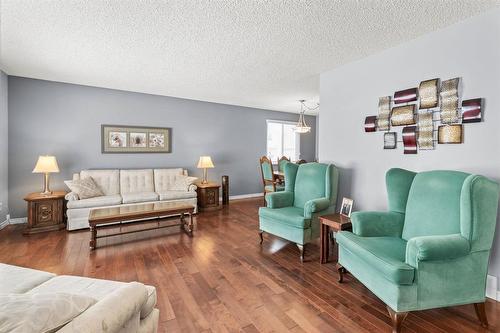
(301, 126)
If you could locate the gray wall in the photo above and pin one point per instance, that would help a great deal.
(469, 49)
(4, 147)
(64, 120)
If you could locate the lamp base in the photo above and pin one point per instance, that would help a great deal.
(204, 180)
(46, 190)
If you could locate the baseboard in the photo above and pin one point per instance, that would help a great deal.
(492, 288)
(4, 224)
(245, 196)
(19, 220)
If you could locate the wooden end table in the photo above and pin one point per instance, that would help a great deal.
(46, 212)
(336, 222)
(208, 196)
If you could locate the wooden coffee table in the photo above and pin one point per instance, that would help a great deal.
(101, 218)
(336, 222)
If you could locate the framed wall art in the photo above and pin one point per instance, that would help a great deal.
(134, 139)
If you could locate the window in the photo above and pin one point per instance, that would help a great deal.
(282, 140)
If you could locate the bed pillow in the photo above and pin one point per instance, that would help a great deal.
(42, 312)
(85, 188)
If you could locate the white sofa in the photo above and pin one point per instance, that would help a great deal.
(116, 306)
(126, 187)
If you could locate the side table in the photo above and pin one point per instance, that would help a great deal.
(45, 212)
(336, 222)
(208, 196)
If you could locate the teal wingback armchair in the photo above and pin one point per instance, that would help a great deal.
(431, 249)
(293, 214)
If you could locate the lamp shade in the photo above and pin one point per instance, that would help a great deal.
(205, 162)
(46, 164)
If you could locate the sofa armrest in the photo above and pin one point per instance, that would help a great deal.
(71, 196)
(429, 248)
(192, 188)
(377, 224)
(279, 199)
(111, 312)
(315, 205)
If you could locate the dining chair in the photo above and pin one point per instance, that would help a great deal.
(281, 163)
(301, 162)
(270, 184)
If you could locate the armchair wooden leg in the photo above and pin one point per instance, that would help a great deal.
(302, 249)
(481, 314)
(397, 319)
(261, 233)
(341, 270)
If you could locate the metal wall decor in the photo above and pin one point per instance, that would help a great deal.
(390, 140)
(371, 124)
(449, 101)
(428, 94)
(410, 139)
(450, 134)
(432, 113)
(384, 113)
(403, 115)
(471, 110)
(405, 96)
(425, 130)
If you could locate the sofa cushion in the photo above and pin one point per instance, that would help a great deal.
(107, 180)
(85, 188)
(291, 216)
(386, 254)
(174, 195)
(41, 312)
(132, 181)
(95, 288)
(106, 200)
(139, 197)
(164, 178)
(182, 183)
(15, 279)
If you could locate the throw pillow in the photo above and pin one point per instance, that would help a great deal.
(43, 312)
(85, 188)
(182, 183)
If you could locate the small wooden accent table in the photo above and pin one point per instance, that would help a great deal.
(45, 212)
(208, 196)
(337, 222)
(109, 217)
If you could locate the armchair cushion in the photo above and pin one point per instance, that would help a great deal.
(429, 248)
(385, 254)
(291, 216)
(279, 199)
(315, 205)
(377, 224)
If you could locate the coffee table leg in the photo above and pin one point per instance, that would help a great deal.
(183, 222)
(93, 237)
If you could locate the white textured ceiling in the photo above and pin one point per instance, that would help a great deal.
(265, 54)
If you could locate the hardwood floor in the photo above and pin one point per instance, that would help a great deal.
(222, 280)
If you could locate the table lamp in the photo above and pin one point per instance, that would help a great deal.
(46, 165)
(204, 163)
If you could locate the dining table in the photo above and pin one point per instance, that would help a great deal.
(279, 176)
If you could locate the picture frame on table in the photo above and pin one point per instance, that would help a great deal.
(346, 207)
